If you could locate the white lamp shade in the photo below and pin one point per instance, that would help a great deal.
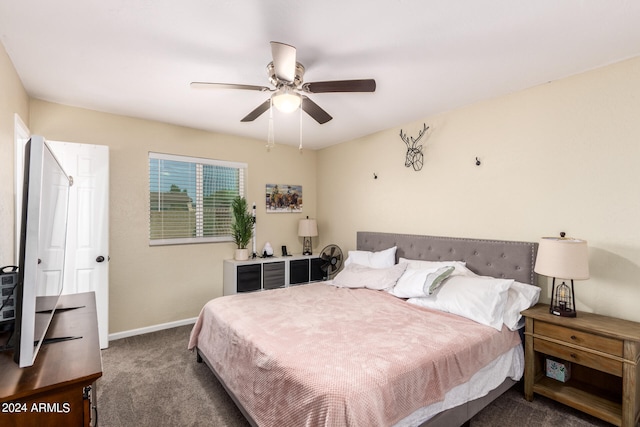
(285, 100)
(307, 228)
(563, 258)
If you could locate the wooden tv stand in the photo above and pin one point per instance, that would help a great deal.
(57, 389)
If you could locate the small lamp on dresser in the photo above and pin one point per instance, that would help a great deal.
(307, 228)
(567, 259)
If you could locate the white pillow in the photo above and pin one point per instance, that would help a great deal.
(479, 298)
(361, 276)
(519, 297)
(380, 259)
(420, 282)
(461, 266)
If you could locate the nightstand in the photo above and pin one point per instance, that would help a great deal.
(604, 354)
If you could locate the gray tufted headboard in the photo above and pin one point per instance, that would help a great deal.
(496, 258)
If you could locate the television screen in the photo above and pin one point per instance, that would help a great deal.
(42, 248)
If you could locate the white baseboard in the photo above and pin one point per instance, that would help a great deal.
(154, 328)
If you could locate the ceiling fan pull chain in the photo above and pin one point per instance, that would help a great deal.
(270, 136)
(300, 146)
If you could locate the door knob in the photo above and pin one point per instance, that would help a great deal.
(100, 259)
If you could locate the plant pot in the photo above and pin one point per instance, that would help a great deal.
(242, 254)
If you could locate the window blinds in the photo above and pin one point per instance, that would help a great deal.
(190, 198)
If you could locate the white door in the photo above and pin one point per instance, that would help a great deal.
(87, 267)
(52, 237)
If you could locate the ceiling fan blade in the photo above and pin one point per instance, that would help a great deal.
(207, 85)
(284, 61)
(366, 85)
(257, 112)
(314, 110)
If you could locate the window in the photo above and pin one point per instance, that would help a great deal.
(190, 198)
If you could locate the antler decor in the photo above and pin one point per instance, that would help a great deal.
(414, 157)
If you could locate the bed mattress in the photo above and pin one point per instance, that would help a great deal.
(320, 355)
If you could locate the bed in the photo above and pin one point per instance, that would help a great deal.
(289, 357)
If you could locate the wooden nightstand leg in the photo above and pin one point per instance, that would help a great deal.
(529, 360)
(631, 385)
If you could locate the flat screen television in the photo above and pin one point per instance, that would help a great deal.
(41, 259)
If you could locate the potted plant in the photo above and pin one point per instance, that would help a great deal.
(242, 227)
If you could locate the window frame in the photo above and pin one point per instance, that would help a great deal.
(199, 162)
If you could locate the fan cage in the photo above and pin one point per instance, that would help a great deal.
(332, 258)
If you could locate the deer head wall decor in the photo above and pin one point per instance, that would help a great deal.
(414, 157)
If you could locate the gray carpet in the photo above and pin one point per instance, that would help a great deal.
(153, 380)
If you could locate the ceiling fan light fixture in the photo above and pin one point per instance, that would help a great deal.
(285, 100)
(288, 92)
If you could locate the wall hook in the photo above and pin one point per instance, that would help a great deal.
(375, 176)
(478, 163)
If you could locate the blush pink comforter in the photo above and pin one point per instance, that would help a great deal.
(317, 355)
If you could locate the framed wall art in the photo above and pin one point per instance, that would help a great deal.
(283, 198)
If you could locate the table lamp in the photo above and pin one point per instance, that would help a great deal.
(567, 259)
(307, 228)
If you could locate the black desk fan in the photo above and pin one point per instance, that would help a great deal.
(332, 258)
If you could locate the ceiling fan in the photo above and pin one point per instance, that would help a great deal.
(286, 75)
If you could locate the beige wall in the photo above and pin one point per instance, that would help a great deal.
(13, 100)
(155, 285)
(559, 157)
(564, 156)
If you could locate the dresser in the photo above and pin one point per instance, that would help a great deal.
(59, 389)
(603, 354)
(270, 273)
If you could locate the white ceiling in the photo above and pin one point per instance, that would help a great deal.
(137, 57)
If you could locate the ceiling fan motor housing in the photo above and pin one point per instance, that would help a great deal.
(297, 81)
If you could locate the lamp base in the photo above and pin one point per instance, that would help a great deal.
(306, 246)
(562, 300)
(562, 311)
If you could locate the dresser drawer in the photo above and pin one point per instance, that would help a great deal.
(584, 339)
(595, 361)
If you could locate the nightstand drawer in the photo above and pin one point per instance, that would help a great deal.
(595, 361)
(583, 339)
